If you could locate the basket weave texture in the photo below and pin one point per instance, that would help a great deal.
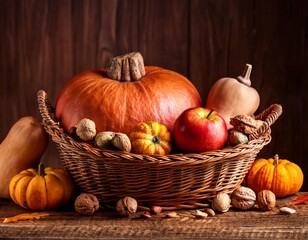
(175, 181)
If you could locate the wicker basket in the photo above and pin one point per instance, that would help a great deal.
(175, 181)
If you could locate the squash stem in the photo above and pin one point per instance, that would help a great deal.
(156, 140)
(276, 159)
(245, 77)
(41, 170)
(126, 68)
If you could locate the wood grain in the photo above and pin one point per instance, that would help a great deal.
(44, 43)
(67, 224)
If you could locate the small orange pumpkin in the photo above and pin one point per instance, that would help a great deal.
(150, 138)
(280, 176)
(45, 189)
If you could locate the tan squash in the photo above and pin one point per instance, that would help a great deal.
(21, 149)
(233, 96)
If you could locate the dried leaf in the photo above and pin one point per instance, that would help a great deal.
(299, 200)
(26, 216)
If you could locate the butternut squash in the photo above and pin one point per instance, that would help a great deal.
(233, 96)
(21, 149)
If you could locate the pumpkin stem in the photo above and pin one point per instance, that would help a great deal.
(126, 68)
(276, 159)
(245, 77)
(41, 170)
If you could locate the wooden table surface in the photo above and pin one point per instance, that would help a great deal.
(67, 224)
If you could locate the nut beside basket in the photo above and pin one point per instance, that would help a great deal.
(174, 181)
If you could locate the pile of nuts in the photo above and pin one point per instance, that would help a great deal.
(86, 131)
(242, 198)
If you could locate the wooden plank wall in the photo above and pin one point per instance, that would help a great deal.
(45, 42)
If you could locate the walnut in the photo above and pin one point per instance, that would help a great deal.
(243, 198)
(122, 142)
(126, 206)
(244, 123)
(221, 202)
(86, 204)
(266, 200)
(85, 129)
(103, 139)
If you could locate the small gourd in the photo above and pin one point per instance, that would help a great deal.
(233, 96)
(280, 176)
(150, 138)
(45, 189)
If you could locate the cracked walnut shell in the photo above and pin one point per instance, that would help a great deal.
(126, 206)
(243, 198)
(266, 200)
(86, 204)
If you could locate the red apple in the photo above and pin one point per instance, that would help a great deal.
(200, 129)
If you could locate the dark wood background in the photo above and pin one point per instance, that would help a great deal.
(45, 42)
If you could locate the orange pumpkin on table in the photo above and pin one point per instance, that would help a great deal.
(45, 189)
(280, 176)
(124, 94)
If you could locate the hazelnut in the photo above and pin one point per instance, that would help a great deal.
(122, 142)
(243, 198)
(172, 215)
(85, 129)
(221, 202)
(266, 200)
(145, 214)
(200, 214)
(126, 206)
(86, 204)
(210, 212)
(103, 139)
(156, 209)
(237, 137)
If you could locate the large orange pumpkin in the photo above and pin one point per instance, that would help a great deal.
(280, 176)
(118, 105)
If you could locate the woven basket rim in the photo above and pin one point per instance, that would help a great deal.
(257, 139)
(119, 157)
